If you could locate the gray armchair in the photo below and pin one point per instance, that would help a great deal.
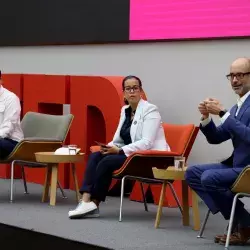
(42, 133)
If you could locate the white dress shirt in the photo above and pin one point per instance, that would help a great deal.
(224, 117)
(241, 101)
(10, 110)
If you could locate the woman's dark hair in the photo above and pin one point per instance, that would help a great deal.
(127, 78)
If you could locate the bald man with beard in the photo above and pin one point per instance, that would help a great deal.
(212, 182)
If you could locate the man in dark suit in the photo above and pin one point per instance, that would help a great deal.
(212, 182)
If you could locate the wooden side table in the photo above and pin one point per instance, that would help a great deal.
(172, 174)
(53, 160)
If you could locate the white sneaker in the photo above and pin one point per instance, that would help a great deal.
(82, 209)
(93, 214)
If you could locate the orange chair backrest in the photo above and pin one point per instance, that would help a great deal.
(180, 137)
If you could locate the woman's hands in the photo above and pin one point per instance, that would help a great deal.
(110, 150)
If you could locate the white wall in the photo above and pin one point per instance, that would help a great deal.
(175, 75)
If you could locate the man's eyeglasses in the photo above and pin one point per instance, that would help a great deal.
(134, 88)
(239, 76)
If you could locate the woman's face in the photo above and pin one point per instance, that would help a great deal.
(132, 91)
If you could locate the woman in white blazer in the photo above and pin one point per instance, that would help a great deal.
(139, 128)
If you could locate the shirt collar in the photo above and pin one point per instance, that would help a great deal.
(242, 99)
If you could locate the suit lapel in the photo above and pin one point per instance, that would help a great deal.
(122, 121)
(243, 108)
(234, 110)
(136, 120)
(117, 136)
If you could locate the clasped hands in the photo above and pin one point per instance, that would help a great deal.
(109, 150)
(210, 106)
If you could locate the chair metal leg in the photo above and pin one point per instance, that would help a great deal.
(12, 180)
(200, 235)
(144, 197)
(175, 196)
(24, 181)
(60, 187)
(122, 194)
(231, 220)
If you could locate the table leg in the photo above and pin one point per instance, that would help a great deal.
(78, 196)
(159, 211)
(196, 212)
(185, 205)
(53, 185)
(46, 184)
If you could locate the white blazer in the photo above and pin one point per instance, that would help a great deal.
(146, 130)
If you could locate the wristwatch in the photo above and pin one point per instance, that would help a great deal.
(222, 113)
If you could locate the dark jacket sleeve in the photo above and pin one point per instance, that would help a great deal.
(215, 135)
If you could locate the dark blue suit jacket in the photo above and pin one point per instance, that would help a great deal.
(235, 128)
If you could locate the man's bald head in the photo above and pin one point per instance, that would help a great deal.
(242, 62)
(240, 75)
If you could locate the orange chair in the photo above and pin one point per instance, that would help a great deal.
(138, 166)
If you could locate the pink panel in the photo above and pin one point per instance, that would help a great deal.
(178, 19)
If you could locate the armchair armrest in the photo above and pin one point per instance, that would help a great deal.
(25, 150)
(140, 163)
(241, 185)
(154, 153)
(94, 149)
(38, 139)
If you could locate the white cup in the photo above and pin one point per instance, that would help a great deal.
(179, 163)
(72, 149)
